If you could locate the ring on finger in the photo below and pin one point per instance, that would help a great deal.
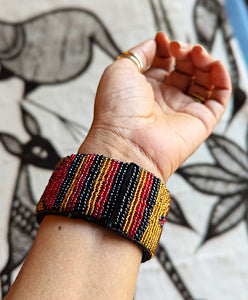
(198, 98)
(134, 57)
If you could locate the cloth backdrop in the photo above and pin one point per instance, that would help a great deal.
(52, 54)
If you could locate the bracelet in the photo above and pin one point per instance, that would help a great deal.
(120, 196)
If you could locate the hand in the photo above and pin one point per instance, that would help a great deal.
(150, 118)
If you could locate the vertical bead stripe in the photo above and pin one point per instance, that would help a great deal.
(56, 181)
(125, 196)
(134, 202)
(67, 180)
(89, 159)
(141, 206)
(89, 184)
(154, 229)
(72, 186)
(110, 207)
(148, 209)
(106, 188)
(97, 186)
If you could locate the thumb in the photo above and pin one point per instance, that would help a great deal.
(146, 51)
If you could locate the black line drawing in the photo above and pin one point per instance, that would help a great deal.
(166, 262)
(227, 179)
(53, 48)
(60, 50)
(160, 15)
(39, 152)
(176, 214)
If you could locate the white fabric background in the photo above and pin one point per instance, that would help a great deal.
(215, 271)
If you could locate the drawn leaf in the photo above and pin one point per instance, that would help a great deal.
(239, 99)
(226, 214)
(30, 123)
(206, 12)
(176, 215)
(11, 144)
(213, 180)
(230, 156)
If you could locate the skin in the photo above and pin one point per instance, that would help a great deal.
(149, 119)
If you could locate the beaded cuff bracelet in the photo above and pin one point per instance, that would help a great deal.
(120, 196)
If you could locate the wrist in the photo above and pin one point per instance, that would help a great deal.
(114, 145)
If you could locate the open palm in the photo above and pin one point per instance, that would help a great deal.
(154, 112)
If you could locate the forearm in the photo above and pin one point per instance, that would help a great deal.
(74, 259)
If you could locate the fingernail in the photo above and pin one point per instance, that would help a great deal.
(183, 45)
(203, 50)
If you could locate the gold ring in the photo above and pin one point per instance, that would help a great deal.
(134, 57)
(198, 98)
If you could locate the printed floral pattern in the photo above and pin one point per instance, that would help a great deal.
(227, 179)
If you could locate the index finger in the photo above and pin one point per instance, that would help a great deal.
(201, 58)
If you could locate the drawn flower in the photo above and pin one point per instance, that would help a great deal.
(227, 178)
